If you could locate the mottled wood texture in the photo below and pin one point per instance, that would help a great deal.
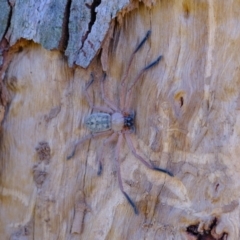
(187, 120)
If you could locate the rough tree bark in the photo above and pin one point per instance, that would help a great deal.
(187, 119)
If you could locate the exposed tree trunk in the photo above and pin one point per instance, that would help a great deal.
(187, 120)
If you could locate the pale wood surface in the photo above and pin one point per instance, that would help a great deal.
(187, 120)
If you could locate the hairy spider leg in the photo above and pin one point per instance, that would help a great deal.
(129, 91)
(123, 86)
(90, 102)
(105, 99)
(134, 152)
(100, 151)
(125, 75)
(117, 149)
(84, 139)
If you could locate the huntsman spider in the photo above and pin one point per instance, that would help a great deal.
(117, 120)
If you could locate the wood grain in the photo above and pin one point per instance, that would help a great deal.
(187, 121)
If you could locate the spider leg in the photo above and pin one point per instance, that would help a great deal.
(129, 91)
(125, 75)
(134, 152)
(100, 150)
(82, 140)
(105, 99)
(117, 149)
(90, 102)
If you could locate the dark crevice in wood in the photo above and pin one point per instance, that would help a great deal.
(181, 101)
(206, 234)
(9, 16)
(4, 44)
(208, 105)
(193, 230)
(65, 30)
(4, 51)
(92, 8)
(179, 98)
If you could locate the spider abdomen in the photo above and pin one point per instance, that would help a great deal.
(99, 122)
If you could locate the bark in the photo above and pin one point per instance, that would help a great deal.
(186, 106)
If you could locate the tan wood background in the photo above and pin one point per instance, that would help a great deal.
(187, 121)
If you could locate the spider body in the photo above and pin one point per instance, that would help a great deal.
(101, 122)
(117, 121)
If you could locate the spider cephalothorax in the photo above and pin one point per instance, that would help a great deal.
(117, 121)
